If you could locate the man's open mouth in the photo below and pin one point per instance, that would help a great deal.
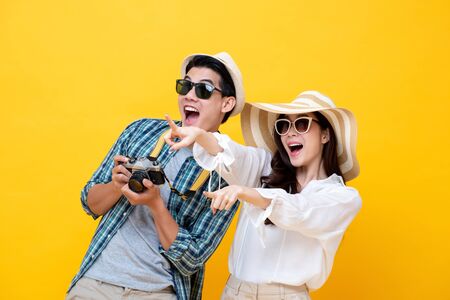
(191, 115)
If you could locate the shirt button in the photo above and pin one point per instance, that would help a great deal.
(124, 213)
(109, 235)
(92, 256)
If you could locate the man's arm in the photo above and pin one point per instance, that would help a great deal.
(102, 190)
(192, 247)
(166, 226)
(101, 197)
(187, 250)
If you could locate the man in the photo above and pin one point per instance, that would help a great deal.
(154, 244)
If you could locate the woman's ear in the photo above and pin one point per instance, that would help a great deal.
(325, 136)
(228, 104)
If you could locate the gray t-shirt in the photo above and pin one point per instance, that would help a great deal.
(132, 259)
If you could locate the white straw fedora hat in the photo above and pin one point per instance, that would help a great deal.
(258, 121)
(234, 71)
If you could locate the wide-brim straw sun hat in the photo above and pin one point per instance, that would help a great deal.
(235, 74)
(258, 121)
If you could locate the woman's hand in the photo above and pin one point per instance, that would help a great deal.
(224, 198)
(187, 135)
(227, 196)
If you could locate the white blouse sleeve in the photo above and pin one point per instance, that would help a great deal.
(237, 164)
(319, 214)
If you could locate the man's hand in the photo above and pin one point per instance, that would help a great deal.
(102, 196)
(166, 226)
(187, 135)
(120, 175)
(224, 198)
(150, 197)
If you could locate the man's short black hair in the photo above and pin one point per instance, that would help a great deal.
(226, 83)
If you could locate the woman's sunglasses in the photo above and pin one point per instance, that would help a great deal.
(203, 90)
(301, 125)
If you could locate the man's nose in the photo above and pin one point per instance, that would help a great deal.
(191, 95)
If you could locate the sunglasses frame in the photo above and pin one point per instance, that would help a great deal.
(310, 119)
(195, 85)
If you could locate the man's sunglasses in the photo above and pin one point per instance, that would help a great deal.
(301, 125)
(203, 90)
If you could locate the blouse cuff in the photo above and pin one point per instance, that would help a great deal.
(210, 162)
(258, 215)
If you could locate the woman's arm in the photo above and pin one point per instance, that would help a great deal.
(318, 212)
(189, 135)
(227, 196)
(237, 164)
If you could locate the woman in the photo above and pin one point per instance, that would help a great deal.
(289, 231)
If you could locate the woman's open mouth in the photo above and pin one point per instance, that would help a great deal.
(295, 148)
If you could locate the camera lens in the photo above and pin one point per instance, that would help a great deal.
(135, 182)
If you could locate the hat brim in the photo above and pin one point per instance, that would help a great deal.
(258, 119)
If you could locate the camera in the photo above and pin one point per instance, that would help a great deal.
(143, 168)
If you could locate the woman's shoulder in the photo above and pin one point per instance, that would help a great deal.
(335, 186)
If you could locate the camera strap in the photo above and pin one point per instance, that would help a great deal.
(201, 178)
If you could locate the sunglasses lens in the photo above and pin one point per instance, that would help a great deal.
(282, 126)
(183, 86)
(302, 125)
(203, 90)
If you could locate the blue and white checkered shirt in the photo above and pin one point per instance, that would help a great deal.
(200, 232)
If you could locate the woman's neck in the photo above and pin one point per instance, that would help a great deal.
(314, 171)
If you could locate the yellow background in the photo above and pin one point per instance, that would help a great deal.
(73, 74)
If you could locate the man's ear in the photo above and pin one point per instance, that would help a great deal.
(228, 104)
(325, 136)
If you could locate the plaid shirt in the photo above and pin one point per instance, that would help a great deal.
(200, 232)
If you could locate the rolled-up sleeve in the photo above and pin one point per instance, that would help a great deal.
(237, 164)
(103, 173)
(192, 248)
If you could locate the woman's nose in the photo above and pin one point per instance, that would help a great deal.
(292, 131)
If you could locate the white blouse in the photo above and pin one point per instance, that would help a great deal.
(309, 226)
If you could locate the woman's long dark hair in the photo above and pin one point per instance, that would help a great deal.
(283, 173)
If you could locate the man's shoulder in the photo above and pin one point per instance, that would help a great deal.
(146, 124)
